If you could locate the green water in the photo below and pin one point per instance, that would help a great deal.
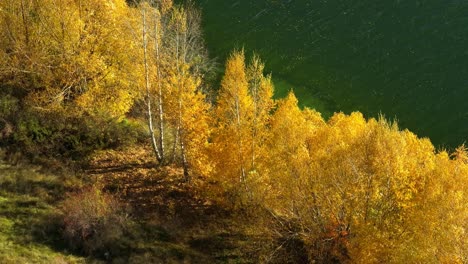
(405, 59)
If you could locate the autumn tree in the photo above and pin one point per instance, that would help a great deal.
(150, 16)
(364, 191)
(160, 11)
(173, 56)
(69, 53)
(261, 90)
(174, 81)
(234, 113)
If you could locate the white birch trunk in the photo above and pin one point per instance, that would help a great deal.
(147, 86)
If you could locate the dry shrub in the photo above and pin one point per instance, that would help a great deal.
(93, 221)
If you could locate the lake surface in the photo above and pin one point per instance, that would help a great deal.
(404, 59)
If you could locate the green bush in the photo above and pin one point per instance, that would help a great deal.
(93, 221)
(66, 133)
(8, 105)
(71, 137)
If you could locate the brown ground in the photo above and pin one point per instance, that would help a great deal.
(201, 229)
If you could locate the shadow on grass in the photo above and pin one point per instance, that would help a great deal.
(30, 230)
(31, 219)
(120, 168)
(170, 221)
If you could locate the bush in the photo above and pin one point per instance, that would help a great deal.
(93, 221)
(8, 107)
(64, 137)
(64, 134)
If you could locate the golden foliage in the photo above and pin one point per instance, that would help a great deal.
(358, 190)
(67, 51)
(242, 119)
(233, 112)
(385, 191)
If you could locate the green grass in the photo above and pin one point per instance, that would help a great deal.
(399, 58)
(282, 88)
(30, 229)
(17, 242)
(25, 211)
(29, 232)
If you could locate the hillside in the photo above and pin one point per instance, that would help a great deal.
(168, 220)
(403, 59)
(118, 147)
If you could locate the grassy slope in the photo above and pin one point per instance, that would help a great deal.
(171, 222)
(26, 203)
(405, 59)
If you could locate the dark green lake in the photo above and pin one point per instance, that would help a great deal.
(404, 59)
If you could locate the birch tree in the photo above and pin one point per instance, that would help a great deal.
(234, 113)
(188, 107)
(261, 90)
(157, 148)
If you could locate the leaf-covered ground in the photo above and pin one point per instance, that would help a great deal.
(171, 221)
(176, 220)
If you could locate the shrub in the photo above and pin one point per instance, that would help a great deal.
(62, 136)
(8, 107)
(93, 221)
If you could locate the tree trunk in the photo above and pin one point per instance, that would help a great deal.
(160, 99)
(242, 176)
(185, 164)
(148, 95)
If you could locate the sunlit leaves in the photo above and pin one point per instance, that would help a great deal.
(387, 188)
(70, 52)
(234, 113)
(360, 190)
